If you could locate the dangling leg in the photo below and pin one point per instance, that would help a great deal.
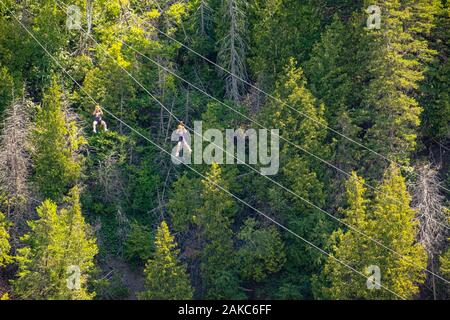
(178, 149)
(94, 126)
(186, 147)
(105, 127)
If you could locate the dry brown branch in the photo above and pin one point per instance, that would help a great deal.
(431, 215)
(14, 152)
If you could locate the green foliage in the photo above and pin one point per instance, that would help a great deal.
(435, 96)
(337, 81)
(289, 118)
(57, 242)
(281, 30)
(106, 172)
(349, 246)
(144, 180)
(6, 90)
(300, 173)
(204, 214)
(213, 220)
(166, 278)
(111, 289)
(5, 247)
(138, 247)
(395, 58)
(56, 146)
(445, 267)
(261, 253)
(389, 218)
(183, 202)
(384, 88)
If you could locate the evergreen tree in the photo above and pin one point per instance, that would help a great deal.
(232, 52)
(56, 143)
(262, 251)
(59, 254)
(302, 174)
(390, 220)
(213, 220)
(393, 223)
(281, 30)
(204, 215)
(336, 80)
(396, 57)
(379, 87)
(435, 97)
(445, 268)
(337, 281)
(166, 278)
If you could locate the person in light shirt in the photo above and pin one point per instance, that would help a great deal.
(182, 138)
(98, 113)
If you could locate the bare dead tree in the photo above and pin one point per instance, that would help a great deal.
(110, 178)
(233, 50)
(85, 36)
(203, 16)
(89, 11)
(14, 156)
(431, 214)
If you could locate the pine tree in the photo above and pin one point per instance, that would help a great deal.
(328, 72)
(203, 214)
(335, 79)
(301, 119)
(166, 278)
(390, 220)
(302, 174)
(213, 220)
(55, 140)
(336, 280)
(59, 254)
(262, 251)
(435, 96)
(281, 30)
(232, 52)
(396, 57)
(394, 224)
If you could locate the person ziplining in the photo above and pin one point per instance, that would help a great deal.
(98, 113)
(182, 134)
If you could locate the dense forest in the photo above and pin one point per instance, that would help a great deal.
(358, 91)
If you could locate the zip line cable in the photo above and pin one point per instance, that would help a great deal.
(200, 174)
(287, 105)
(257, 123)
(270, 179)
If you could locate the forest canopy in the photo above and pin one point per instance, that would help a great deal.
(224, 149)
